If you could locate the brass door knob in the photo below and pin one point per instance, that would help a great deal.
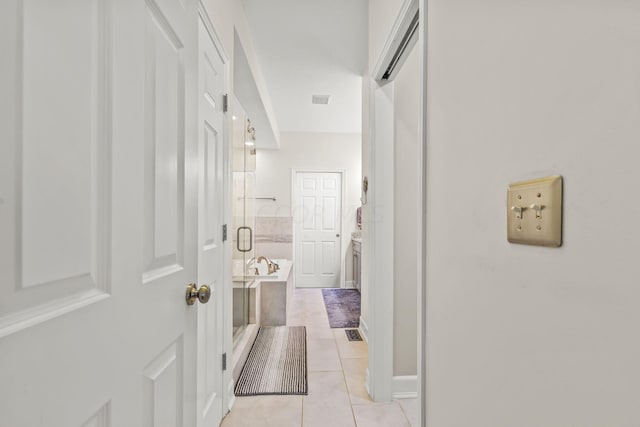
(193, 293)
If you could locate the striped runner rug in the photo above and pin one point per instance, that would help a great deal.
(277, 363)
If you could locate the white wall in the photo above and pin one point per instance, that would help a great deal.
(406, 109)
(382, 15)
(366, 214)
(314, 152)
(521, 335)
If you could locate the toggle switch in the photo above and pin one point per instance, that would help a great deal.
(518, 210)
(527, 200)
(538, 209)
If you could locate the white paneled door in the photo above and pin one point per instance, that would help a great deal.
(211, 78)
(99, 212)
(317, 217)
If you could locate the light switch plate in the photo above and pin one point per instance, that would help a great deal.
(534, 212)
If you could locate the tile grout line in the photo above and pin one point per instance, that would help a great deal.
(403, 411)
(306, 307)
(344, 378)
(344, 375)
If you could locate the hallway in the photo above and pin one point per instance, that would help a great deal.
(336, 374)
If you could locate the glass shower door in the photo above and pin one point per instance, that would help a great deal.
(243, 225)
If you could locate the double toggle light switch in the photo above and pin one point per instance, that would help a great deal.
(520, 209)
(534, 215)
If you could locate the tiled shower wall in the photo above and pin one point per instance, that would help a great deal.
(274, 237)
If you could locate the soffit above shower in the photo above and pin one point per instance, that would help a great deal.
(252, 100)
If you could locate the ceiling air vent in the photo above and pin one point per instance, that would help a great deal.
(320, 99)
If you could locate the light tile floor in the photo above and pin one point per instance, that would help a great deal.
(336, 375)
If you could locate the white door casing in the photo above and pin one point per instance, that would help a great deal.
(318, 227)
(98, 212)
(379, 229)
(212, 80)
(380, 238)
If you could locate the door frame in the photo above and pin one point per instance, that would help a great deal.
(226, 326)
(379, 232)
(379, 245)
(294, 200)
(423, 48)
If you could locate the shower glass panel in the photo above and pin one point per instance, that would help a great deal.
(243, 177)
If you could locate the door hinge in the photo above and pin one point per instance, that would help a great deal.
(224, 232)
(224, 361)
(225, 103)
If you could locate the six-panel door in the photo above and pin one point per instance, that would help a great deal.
(317, 216)
(98, 212)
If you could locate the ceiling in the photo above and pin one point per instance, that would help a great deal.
(312, 47)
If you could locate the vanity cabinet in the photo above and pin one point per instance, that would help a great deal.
(357, 262)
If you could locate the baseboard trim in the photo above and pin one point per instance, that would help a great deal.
(242, 347)
(404, 387)
(366, 381)
(348, 284)
(364, 329)
(231, 394)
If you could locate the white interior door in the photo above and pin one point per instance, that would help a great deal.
(317, 216)
(212, 73)
(98, 212)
